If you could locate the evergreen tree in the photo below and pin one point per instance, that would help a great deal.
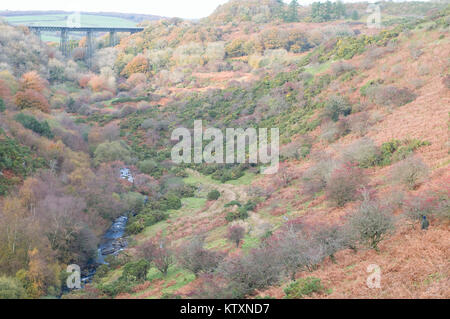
(355, 15)
(292, 15)
(339, 10)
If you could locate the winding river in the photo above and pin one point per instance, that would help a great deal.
(112, 242)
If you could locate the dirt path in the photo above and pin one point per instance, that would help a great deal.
(228, 193)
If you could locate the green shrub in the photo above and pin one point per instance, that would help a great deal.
(116, 287)
(2, 105)
(134, 201)
(408, 147)
(250, 205)
(337, 106)
(112, 151)
(232, 203)
(150, 167)
(154, 217)
(303, 287)
(230, 217)
(213, 195)
(135, 271)
(11, 288)
(16, 158)
(387, 149)
(148, 217)
(135, 227)
(31, 123)
(241, 212)
(173, 201)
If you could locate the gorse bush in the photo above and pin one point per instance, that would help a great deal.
(30, 122)
(135, 271)
(213, 195)
(337, 106)
(303, 287)
(241, 211)
(2, 105)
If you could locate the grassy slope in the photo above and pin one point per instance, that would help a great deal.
(413, 262)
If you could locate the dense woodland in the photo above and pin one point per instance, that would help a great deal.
(353, 183)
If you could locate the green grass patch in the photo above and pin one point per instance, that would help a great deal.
(319, 68)
(181, 277)
(193, 203)
(247, 179)
(197, 178)
(250, 242)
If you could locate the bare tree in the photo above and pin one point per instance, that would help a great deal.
(255, 270)
(159, 252)
(410, 172)
(194, 257)
(372, 222)
(235, 234)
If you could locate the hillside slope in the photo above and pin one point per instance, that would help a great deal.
(363, 116)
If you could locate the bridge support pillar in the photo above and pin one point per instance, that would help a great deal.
(89, 48)
(37, 32)
(63, 45)
(112, 38)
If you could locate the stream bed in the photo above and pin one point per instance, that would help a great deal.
(112, 243)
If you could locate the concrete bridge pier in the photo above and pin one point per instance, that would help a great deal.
(89, 48)
(37, 32)
(112, 38)
(64, 40)
(63, 45)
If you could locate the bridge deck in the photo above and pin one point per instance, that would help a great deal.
(84, 29)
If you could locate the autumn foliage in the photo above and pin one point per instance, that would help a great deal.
(30, 94)
(32, 99)
(139, 64)
(33, 81)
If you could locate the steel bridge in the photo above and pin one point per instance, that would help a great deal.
(64, 35)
